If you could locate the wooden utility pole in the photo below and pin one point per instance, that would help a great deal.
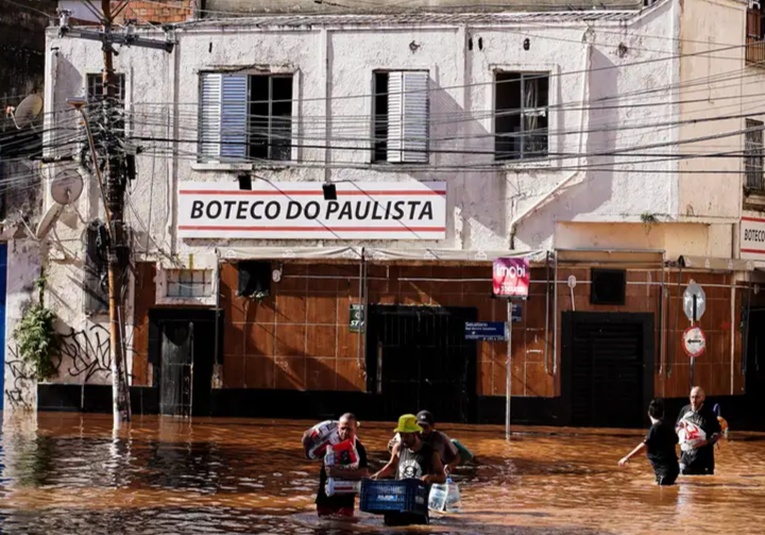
(118, 252)
(115, 186)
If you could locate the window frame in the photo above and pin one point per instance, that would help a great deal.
(554, 115)
(163, 281)
(522, 73)
(754, 159)
(754, 34)
(374, 146)
(202, 163)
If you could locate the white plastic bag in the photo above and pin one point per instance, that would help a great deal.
(445, 497)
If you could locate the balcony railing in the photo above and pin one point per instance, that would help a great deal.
(755, 51)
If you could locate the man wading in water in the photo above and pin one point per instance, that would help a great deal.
(698, 429)
(411, 459)
(342, 504)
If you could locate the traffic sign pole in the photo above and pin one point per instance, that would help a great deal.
(508, 385)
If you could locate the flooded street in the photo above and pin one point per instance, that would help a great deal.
(164, 475)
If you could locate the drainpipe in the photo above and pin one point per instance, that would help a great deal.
(555, 316)
(582, 137)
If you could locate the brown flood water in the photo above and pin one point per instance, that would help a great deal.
(164, 475)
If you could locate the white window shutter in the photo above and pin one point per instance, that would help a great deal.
(233, 120)
(210, 117)
(408, 117)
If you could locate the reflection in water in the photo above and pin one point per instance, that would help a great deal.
(67, 473)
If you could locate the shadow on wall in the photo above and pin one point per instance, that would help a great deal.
(585, 195)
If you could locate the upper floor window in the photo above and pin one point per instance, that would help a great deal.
(245, 116)
(520, 115)
(95, 87)
(755, 33)
(753, 157)
(400, 117)
(95, 92)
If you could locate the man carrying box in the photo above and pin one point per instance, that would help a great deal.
(411, 459)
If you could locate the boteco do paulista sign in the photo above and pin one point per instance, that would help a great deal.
(409, 210)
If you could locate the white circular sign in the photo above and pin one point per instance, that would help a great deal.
(694, 341)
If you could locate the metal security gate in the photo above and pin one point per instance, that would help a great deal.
(418, 358)
(608, 368)
(177, 368)
(182, 348)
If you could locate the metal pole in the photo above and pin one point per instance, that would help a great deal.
(509, 365)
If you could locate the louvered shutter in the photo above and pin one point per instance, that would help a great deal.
(408, 117)
(210, 117)
(233, 121)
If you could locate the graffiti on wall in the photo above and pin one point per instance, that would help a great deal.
(86, 353)
(19, 382)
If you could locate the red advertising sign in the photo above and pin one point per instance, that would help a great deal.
(511, 277)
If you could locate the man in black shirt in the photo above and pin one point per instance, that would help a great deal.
(699, 430)
(342, 504)
(660, 444)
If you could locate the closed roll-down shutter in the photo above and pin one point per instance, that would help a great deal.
(408, 117)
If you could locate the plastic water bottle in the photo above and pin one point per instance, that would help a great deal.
(453, 498)
(437, 497)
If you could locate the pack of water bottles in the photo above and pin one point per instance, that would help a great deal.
(445, 498)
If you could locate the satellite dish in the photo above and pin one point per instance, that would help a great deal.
(50, 217)
(27, 112)
(66, 187)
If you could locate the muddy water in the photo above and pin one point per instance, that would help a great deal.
(66, 473)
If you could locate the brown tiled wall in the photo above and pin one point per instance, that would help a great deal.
(299, 338)
(672, 372)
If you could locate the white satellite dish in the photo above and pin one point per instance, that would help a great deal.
(66, 187)
(27, 112)
(47, 221)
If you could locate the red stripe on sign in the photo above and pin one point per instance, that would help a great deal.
(754, 219)
(318, 229)
(314, 193)
(759, 251)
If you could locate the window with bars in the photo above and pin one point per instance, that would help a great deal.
(400, 116)
(95, 89)
(245, 116)
(753, 157)
(520, 115)
(189, 283)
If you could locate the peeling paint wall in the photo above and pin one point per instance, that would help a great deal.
(20, 386)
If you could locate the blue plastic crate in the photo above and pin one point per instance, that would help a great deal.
(403, 496)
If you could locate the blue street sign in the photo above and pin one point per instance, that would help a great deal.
(486, 330)
(516, 312)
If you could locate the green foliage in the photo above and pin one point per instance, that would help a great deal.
(36, 338)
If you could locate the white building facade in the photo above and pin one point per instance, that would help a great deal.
(294, 170)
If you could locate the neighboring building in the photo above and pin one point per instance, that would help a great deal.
(299, 173)
(22, 57)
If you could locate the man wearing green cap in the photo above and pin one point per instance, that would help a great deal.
(411, 459)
